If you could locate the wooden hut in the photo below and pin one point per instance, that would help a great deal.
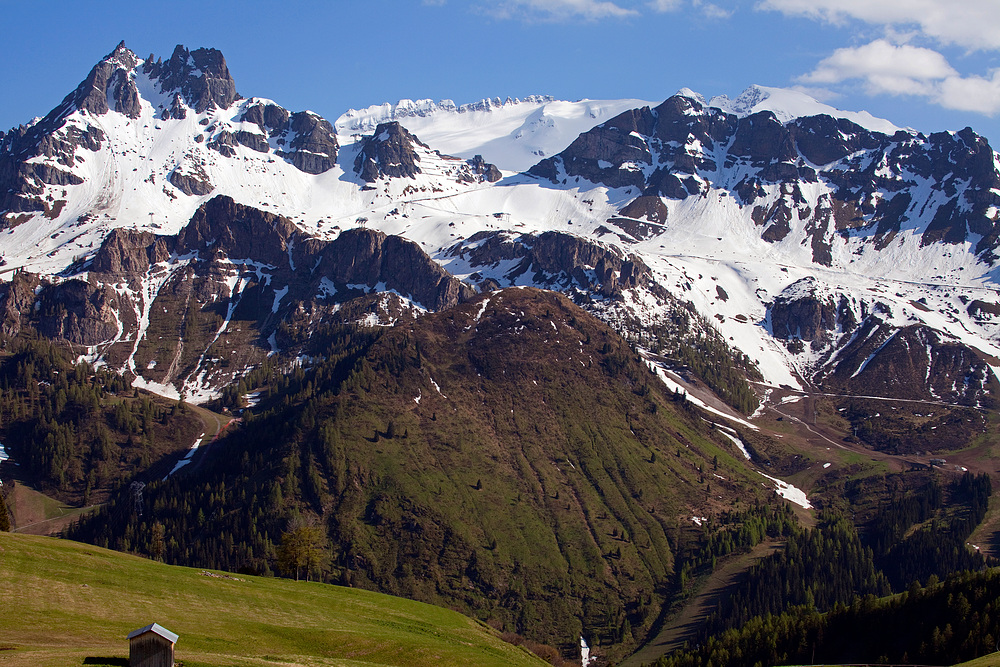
(151, 646)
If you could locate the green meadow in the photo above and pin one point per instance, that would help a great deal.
(67, 603)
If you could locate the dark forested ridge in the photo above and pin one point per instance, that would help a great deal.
(800, 604)
(936, 624)
(78, 432)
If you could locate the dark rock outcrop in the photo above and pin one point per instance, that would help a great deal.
(110, 78)
(224, 228)
(913, 362)
(390, 152)
(307, 141)
(193, 181)
(201, 76)
(313, 147)
(17, 298)
(78, 312)
(483, 170)
(650, 209)
(559, 261)
(231, 263)
(126, 252)
(368, 257)
(802, 312)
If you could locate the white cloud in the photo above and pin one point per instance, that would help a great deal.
(665, 5)
(972, 93)
(711, 10)
(971, 24)
(884, 67)
(902, 69)
(558, 10)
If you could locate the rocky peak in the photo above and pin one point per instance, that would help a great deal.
(367, 257)
(862, 184)
(236, 231)
(390, 152)
(483, 169)
(110, 79)
(201, 76)
(824, 139)
(127, 252)
(314, 144)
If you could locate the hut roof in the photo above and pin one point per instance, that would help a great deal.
(158, 629)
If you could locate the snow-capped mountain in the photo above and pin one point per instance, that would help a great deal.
(512, 133)
(815, 241)
(787, 105)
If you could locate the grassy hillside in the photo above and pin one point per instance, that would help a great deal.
(66, 603)
(511, 457)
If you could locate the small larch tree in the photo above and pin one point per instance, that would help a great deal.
(301, 550)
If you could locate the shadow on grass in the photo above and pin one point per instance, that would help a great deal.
(106, 662)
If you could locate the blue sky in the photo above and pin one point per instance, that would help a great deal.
(927, 64)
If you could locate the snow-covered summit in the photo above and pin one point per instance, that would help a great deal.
(788, 104)
(367, 119)
(512, 133)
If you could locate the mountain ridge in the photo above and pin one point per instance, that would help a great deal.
(751, 202)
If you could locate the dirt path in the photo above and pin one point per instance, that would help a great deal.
(682, 625)
(214, 424)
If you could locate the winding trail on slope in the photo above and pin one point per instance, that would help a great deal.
(683, 624)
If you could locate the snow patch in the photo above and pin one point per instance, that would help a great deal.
(585, 658)
(739, 444)
(675, 386)
(187, 459)
(278, 296)
(789, 492)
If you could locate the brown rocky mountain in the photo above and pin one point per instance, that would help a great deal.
(197, 309)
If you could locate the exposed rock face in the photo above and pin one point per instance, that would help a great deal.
(22, 182)
(78, 312)
(306, 140)
(17, 299)
(195, 81)
(126, 252)
(872, 184)
(651, 209)
(804, 312)
(488, 172)
(855, 348)
(913, 362)
(643, 218)
(110, 79)
(560, 261)
(390, 152)
(200, 76)
(223, 228)
(369, 257)
(192, 181)
(313, 148)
